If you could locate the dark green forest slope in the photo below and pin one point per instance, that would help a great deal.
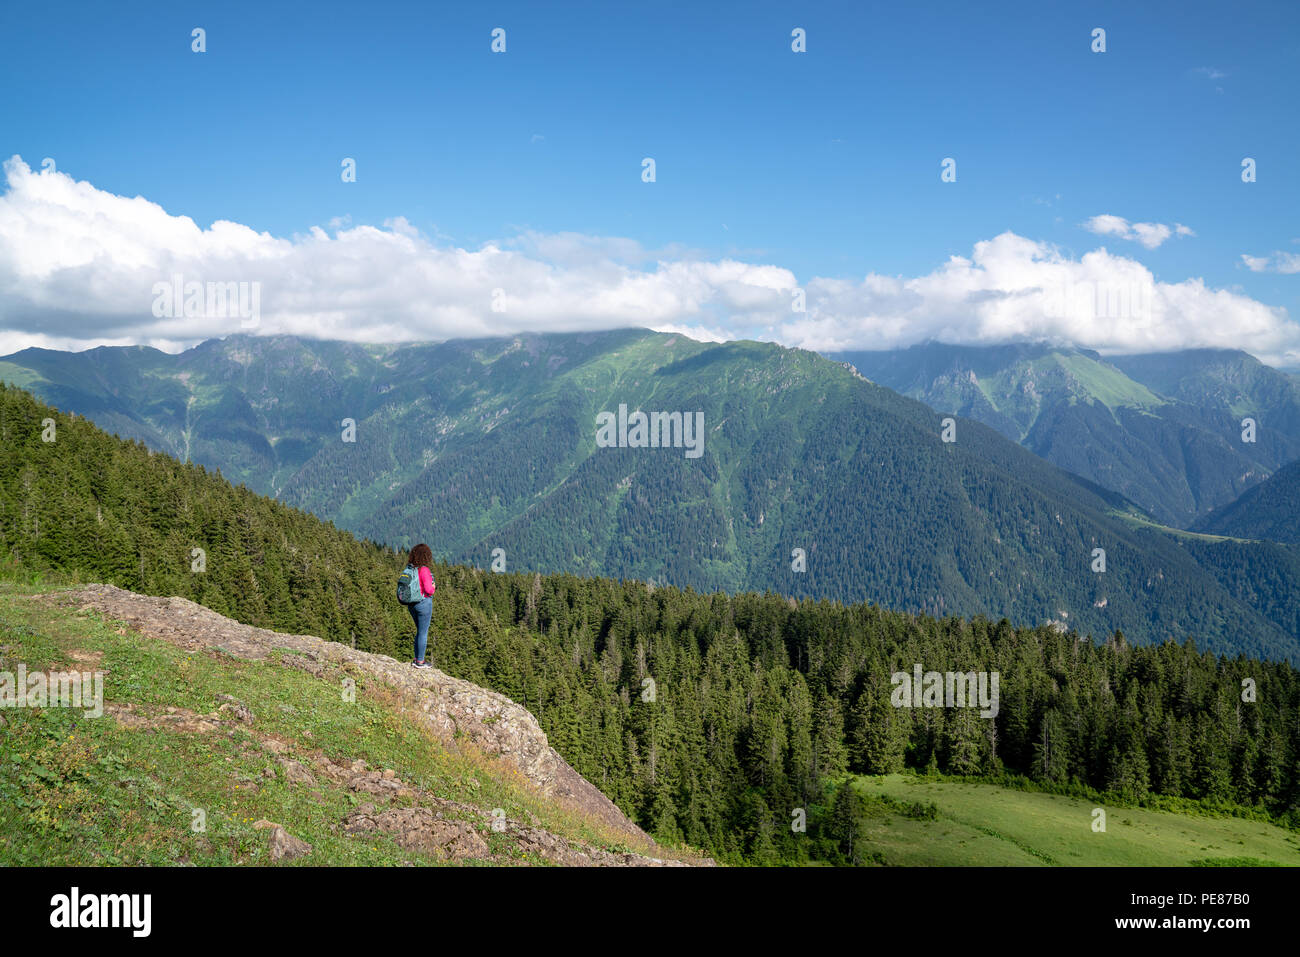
(1270, 510)
(480, 445)
(708, 718)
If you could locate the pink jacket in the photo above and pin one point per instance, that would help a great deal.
(426, 581)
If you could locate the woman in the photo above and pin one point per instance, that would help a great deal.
(421, 558)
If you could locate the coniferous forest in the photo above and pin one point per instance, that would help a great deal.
(709, 718)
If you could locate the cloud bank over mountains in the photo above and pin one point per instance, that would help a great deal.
(80, 267)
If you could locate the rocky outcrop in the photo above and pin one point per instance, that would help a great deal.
(453, 710)
(420, 829)
(282, 845)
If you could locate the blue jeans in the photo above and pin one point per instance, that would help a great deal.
(421, 612)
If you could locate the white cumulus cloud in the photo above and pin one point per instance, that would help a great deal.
(1281, 262)
(1149, 235)
(80, 267)
(1017, 289)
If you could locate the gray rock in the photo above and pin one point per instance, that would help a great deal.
(236, 708)
(295, 772)
(283, 845)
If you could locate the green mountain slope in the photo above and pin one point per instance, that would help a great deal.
(1163, 430)
(1270, 510)
(1221, 379)
(490, 444)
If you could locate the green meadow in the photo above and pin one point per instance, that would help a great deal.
(980, 824)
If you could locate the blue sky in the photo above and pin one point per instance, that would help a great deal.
(824, 163)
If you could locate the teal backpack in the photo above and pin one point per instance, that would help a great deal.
(408, 586)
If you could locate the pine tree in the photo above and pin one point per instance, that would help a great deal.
(845, 822)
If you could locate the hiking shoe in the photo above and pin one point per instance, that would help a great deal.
(420, 664)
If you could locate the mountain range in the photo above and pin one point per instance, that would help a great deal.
(1164, 430)
(811, 479)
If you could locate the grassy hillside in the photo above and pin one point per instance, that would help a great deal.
(241, 742)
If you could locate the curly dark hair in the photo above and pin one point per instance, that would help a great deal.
(421, 555)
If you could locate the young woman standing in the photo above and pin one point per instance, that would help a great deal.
(421, 608)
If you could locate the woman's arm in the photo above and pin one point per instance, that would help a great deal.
(427, 587)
